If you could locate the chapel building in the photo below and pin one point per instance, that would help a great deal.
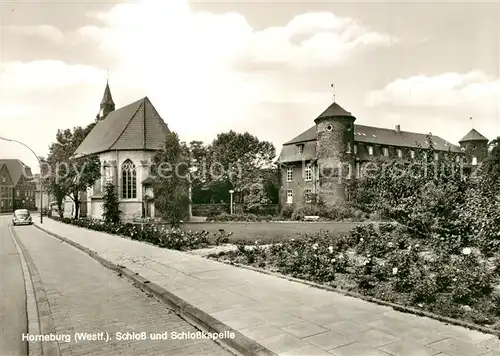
(126, 141)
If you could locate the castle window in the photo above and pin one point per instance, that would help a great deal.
(129, 180)
(329, 128)
(386, 152)
(474, 160)
(308, 173)
(370, 150)
(4, 179)
(289, 196)
(400, 152)
(289, 174)
(348, 147)
(412, 154)
(355, 149)
(300, 149)
(436, 156)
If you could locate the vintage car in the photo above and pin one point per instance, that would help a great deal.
(21, 217)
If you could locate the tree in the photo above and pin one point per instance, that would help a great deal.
(238, 158)
(111, 211)
(70, 176)
(171, 184)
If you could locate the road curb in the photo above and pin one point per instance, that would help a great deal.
(396, 307)
(240, 343)
(37, 305)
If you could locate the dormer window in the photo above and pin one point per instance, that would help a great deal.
(101, 113)
(300, 149)
(370, 150)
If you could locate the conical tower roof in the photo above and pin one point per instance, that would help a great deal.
(107, 98)
(473, 135)
(334, 110)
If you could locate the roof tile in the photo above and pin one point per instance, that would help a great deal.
(135, 126)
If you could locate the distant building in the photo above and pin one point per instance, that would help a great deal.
(335, 143)
(47, 197)
(126, 141)
(17, 188)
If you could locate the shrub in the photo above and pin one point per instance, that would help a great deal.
(172, 238)
(110, 206)
(287, 211)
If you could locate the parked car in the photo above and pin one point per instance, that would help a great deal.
(21, 217)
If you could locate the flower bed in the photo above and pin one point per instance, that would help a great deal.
(175, 239)
(387, 263)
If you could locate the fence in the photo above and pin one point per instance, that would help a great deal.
(209, 209)
(214, 209)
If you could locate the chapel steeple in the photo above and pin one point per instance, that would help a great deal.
(107, 103)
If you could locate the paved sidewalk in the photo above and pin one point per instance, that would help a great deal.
(82, 296)
(286, 317)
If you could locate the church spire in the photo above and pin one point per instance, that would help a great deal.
(107, 103)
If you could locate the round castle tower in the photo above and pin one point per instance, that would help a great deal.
(475, 146)
(334, 146)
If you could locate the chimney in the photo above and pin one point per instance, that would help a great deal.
(398, 128)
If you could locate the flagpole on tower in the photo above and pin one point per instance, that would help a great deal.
(333, 87)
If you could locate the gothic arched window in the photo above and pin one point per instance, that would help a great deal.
(129, 180)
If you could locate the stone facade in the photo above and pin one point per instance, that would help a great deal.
(112, 164)
(335, 138)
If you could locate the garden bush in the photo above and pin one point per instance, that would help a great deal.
(286, 212)
(171, 238)
(389, 262)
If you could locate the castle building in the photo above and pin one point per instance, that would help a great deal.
(322, 159)
(126, 141)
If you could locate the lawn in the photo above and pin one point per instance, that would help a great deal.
(268, 232)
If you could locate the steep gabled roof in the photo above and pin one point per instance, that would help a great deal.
(16, 169)
(382, 136)
(368, 135)
(136, 126)
(473, 135)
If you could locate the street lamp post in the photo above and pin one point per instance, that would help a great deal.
(40, 164)
(231, 199)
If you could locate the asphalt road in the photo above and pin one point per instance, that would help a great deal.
(13, 322)
(85, 297)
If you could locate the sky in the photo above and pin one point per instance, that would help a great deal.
(263, 67)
